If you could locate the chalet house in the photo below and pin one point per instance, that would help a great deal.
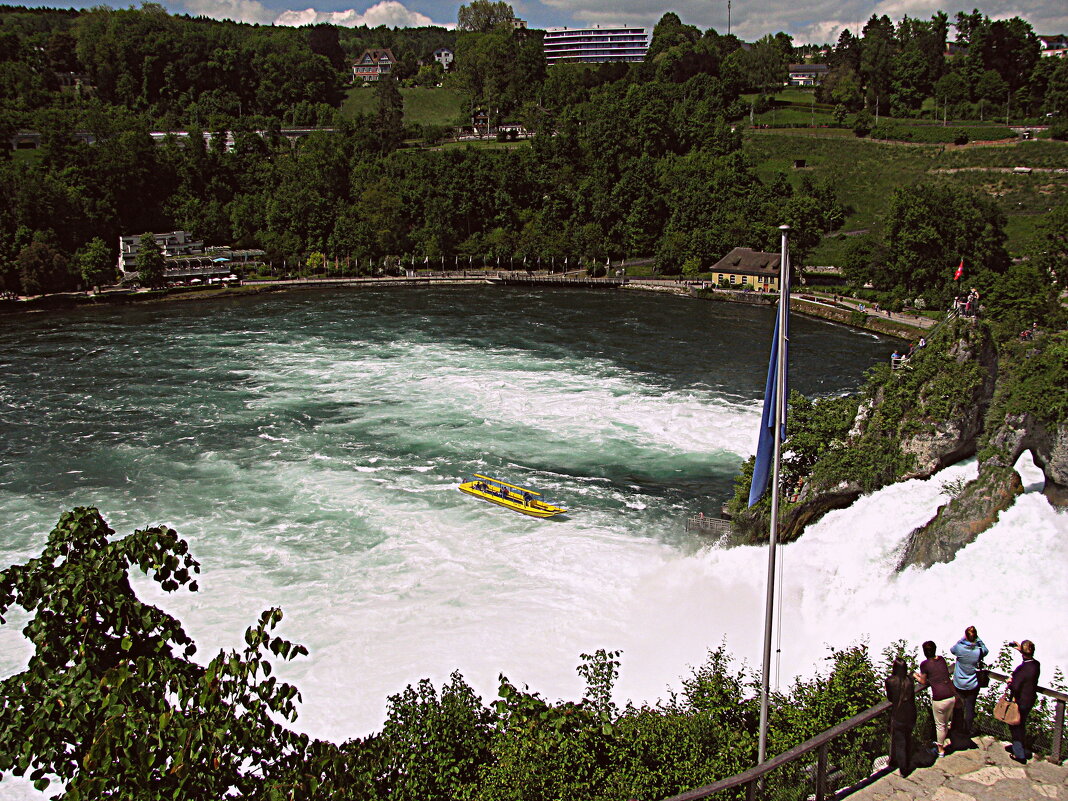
(1055, 46)
(807, 74)
(444, 56)
(373, 64)
(745, 267)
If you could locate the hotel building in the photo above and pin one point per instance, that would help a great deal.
(595, 45)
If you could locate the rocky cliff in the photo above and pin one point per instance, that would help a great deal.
(1027, 416)
(958, 397)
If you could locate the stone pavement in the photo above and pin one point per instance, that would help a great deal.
(981, 774)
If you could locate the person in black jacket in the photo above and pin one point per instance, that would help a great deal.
(1023, 689)
(901, 693)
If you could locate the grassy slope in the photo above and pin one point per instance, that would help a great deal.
(421, 105)
(866, 173)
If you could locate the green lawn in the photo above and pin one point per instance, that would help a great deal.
(865, 173)
(422, 106)
(483, 144)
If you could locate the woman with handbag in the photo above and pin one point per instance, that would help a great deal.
(1023, 689)
(934, 673)
(901, 693)
(969, 651)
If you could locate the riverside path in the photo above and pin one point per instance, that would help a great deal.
(984, 773)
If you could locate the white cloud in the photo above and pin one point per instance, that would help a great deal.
(236, 10)
(390, 13)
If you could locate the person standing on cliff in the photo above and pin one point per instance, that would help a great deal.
(969, 651)
(934, 673)
(901, 693)
(1023, 687)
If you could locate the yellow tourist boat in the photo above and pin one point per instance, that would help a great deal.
(517, 499)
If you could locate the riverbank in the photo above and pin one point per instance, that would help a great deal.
(847, 312)
(897, 325)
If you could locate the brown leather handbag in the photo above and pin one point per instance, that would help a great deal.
(1007, 711)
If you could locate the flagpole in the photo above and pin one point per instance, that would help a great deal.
(773, 528)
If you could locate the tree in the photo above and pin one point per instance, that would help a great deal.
(1048, 249)
(929, 229)
(111, 702)
(150, 263)
(95, 263)
(877, 59)
(950, 91)
(43, 269)
(389, 114)
(483, 16)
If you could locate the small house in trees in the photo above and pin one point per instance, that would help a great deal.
(1055, 46)
(444, 56)
(745, 267)
(807, 74)
(373, 64)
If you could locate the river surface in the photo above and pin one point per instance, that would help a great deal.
(308, 445)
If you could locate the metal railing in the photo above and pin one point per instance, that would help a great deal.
(799, 778)
(809, 781)
(708, 525)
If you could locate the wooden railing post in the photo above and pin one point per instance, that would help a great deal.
(821, 771)
(751, 789)
(1058, 727)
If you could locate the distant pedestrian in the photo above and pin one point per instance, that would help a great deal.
(969, 651)
(901, 693)
(934, 673)
(1023, 688)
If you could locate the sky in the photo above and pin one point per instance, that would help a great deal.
(815, 21)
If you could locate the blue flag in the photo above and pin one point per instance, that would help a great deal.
(766, 444)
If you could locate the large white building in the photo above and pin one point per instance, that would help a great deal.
(596, 45)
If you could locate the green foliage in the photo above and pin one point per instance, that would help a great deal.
(42, 268)
(1033, 380)
(150, 263)
(110, 702)
(863, 123)
(437, 745)
(483, 16)
(929, 228)
(95, 263)
(942, 383)
(814, 428)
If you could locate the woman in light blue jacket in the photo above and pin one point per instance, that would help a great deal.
(969, 650)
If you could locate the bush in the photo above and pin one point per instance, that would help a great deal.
(1059, 131)
(960, 137)
(863, 123)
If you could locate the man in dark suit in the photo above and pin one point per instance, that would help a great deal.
(1023, 688)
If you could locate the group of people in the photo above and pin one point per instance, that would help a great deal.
(953, 695)
(899, 359)
(967, 305)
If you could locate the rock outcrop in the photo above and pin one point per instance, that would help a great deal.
(976, 508)
(964, 518)
(955, 399)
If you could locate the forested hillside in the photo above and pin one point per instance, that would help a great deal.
(625, 160)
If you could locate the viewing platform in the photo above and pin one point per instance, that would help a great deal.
(978, 774)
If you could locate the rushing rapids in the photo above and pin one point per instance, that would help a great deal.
(308, 446)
